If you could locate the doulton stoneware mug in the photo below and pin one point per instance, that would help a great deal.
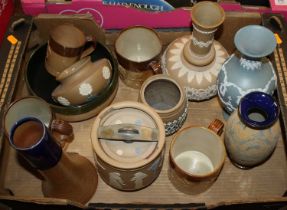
(36, 107)
(66, 175)
(196, 155)
(138, 50)
(66, 45)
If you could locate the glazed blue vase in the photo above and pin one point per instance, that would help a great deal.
(253, 130)
(248, 69)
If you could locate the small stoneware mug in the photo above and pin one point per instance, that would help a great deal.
(138, 50)
(196, 155)
(66, 45)
(82, 81)
(36, 107)
(169, 100)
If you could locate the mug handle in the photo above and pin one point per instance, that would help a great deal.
(90, 49)
(216, 126)
(62, 131)
(156, 67)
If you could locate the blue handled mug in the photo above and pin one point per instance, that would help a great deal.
(32, 139)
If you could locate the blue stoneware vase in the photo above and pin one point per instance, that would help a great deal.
(248, 69)
(252, 132)
(66, 175)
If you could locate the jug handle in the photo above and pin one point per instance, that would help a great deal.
(62, 131)
(156, 67)
(89, 39)
(216, 126)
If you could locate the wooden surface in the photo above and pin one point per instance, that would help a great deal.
(266, 181)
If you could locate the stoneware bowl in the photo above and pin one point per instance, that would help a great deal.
(168, 99)
(82, 81)
(40, 83)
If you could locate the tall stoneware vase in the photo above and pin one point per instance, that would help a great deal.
(66, 175)
(253, 130)
(195, 60)
(248, 69)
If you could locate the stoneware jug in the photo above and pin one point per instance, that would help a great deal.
(168, 99)
(248, 69)
(253, 130)
(195, 60)
(128, 163)
(82, 81)
(66, 175)
(66, 45)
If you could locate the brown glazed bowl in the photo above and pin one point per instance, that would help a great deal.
(40, 83)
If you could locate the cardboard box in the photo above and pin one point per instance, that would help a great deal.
(257, 188)
(119, 16)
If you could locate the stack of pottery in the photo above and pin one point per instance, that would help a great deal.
(80, 75)
(195, 60)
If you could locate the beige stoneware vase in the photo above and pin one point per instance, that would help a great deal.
(168, 99)
(195, 60)
(128, 165)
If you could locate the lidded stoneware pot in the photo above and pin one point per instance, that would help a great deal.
(168, 99)
(82, 81)
(195, 60)
(252, 132)
(123, 162)
(248, 69)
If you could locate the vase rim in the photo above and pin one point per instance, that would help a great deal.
(202, 4)
(260, 103)
(255, 41)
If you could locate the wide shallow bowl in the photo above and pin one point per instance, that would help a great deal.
(40, 83)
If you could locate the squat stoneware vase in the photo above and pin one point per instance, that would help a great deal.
(66, 175)
(253, 131)
(195, 60)
(248, 69)
(168, 99)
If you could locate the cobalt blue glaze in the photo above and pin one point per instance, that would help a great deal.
(258, 102)
(43, 155)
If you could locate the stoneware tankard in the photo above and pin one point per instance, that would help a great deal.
(66, 175)
(138, 50)
(66, 45)
(196, 155)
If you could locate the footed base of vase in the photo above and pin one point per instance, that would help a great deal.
(199, 81)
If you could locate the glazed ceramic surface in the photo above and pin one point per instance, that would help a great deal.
(248, 70)
(31, 106)
(36, 77)
(138, 51)
(66, 43)
(169, 100)
(195, 60)
(197, 155)
(253, 131)
(82, 81)
(127, 165)
(66, 176)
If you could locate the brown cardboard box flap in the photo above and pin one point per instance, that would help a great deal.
(85, 22)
